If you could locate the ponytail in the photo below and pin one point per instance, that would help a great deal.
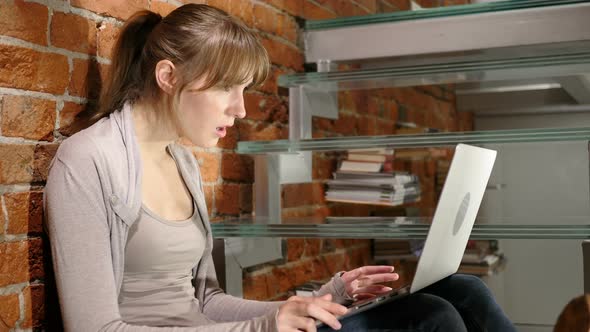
(126, 77)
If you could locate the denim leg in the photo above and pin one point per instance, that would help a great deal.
(419, 312)
(474, 301)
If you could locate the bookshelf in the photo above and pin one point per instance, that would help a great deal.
(484, 45)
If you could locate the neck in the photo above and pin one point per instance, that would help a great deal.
(153, 134)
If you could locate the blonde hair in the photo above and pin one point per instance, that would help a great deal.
(202, 42)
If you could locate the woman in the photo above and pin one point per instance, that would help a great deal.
(125, 210)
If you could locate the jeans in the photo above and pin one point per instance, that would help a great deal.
(457, 303)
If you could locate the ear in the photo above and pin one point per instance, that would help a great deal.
(165, 76)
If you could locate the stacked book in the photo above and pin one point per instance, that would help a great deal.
(365, 177)
(481, 258)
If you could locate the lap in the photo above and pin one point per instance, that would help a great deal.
(456, 303)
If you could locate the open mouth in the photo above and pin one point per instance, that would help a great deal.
(221, 131)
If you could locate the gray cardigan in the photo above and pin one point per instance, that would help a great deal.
(92, 197)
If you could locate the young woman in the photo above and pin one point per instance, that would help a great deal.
(126, 214)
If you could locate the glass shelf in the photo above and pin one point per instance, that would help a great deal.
(416, 141)
(572, 62)
(409, 228)
(498, 6)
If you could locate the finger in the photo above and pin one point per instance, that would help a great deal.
(311, 299)
(320, 313)
(363, 296)
(373, 289)
(332, 307)
(377, 279)
(366, 270)
(303, 323)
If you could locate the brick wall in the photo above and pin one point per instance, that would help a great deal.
(53, 54)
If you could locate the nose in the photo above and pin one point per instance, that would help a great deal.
(238, 109)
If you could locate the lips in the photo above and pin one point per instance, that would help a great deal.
(221, 131)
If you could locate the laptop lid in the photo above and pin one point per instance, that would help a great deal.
(455, 214)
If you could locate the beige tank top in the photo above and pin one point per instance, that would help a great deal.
(157, 285)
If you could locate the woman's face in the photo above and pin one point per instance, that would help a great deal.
(206, 115)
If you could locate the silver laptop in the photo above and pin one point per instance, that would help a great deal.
(451, 225)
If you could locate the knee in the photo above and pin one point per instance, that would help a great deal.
(469, 283)
(439, 313)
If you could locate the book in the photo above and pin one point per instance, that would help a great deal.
(378, 158)
(360, 166)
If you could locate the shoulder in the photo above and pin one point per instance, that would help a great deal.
(94, 145)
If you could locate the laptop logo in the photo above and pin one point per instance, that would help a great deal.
(460, 218)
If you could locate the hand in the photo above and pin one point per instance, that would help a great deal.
(363, 282)
(300, 313)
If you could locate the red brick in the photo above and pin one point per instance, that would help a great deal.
(87, 77)
(428, 3)
(23, 68)
(34, 306)
(270, 85)
(285, 278)
(287, 28)
(312, 247)
(2, 219)
(208, 164)
(265, 18)
(230, 141)
(243, 10)
(13, 267)
(272, 285)
(345, 8)
(258, 106)
(35, 259)
(237, 167)
(208, 191)
(401, 4)
(335, 263)
(255, 287)
(224, 5)
(465, 121)
(25, 212)
(283, 54)
(370, 5)
(162, 8)
(73, 32)
(312, 11)
(227, 198)
(106, 38)
(297, 194)
(302, 272)
(246, 198)
(295, 249)
(9, 311)
(16, 163)
(259, 132)
(67, 116)
(43, 156)
(28, 117)
(24, 20)
(322, 167)
(294, 8)
(366, 125)
(344, 125)
(113, 8)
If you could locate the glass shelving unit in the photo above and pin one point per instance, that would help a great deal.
(416, 141)
(477, 8)
(412, 228)
(378, 70)
(570, 61)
